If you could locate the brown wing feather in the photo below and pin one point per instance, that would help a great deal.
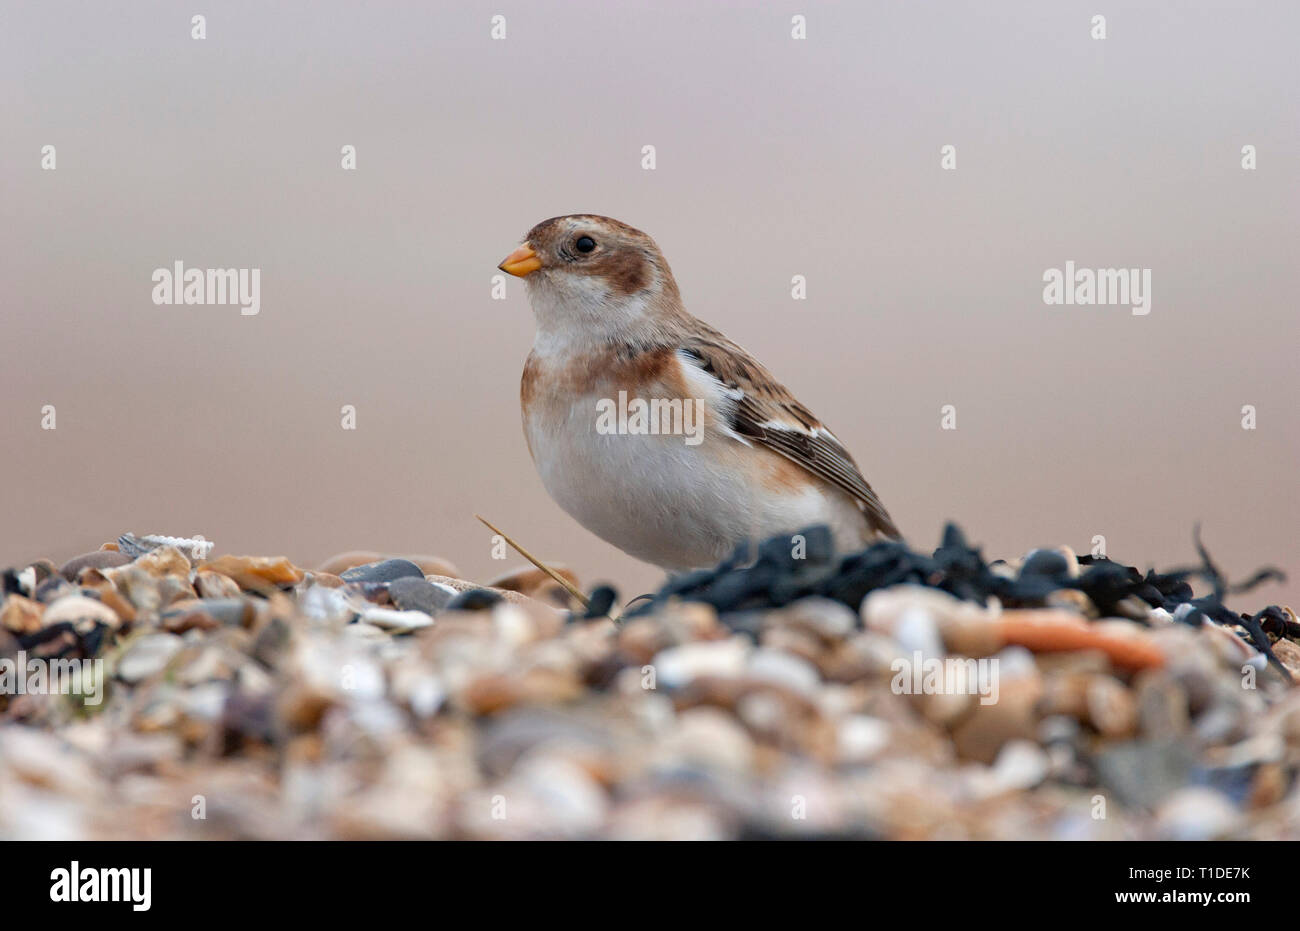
(765, 403)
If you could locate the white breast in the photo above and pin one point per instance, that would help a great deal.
(661, 499)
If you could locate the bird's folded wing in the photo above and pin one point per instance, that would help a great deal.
(766, 413)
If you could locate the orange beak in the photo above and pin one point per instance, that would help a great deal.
(523, 261)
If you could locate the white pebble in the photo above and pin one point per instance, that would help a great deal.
(793, 672)
(1021, 764)
(677, 666)
(391, 619)
(860, 738)
(917, 631)
(1195, 813)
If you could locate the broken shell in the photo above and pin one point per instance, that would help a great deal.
(80, 611)
(255, 573)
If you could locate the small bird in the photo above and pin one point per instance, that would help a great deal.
(652, 429)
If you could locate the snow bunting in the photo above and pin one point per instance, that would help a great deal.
(652, 429)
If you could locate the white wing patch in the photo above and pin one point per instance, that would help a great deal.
(718, 397)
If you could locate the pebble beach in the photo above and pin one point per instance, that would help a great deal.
(889, 694)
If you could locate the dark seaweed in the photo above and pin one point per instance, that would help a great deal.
(779, 574)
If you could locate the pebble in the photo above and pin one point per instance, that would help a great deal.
(410, 594)
(164, 561)
(1142, 775)
(322, 603)
(456, 586)
(917, 632)
(388, 619)
(860, 738)
(1288, 654)
(429, 565)
(422, 691)
(80, 611)
(946, 708)
(982, 733)
(147, 656)
(255, 573)
(1161, 705)
(22, 581)
(1049, 563)
(574, 802)
(209, 613)
(884, 608)
(100, 559)
(21, 615)
(510, 736)
(52, 588)
(474, 599)
(1020, 765)
(1219, 724)
(1111, 708)
(799, 675)
(677, 667)
(494, 692)
(1196, 813)
(710, 738)
(43, 569)
(383, 571)
(211, 584)
(828, 619)
(1074, 599)
(529, 580)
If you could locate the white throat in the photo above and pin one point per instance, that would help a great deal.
(578, 314)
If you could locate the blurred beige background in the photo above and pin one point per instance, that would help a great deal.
(775, 157)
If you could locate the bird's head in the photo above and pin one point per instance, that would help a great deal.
(594, 274)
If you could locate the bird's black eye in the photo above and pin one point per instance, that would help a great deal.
(585, 244)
